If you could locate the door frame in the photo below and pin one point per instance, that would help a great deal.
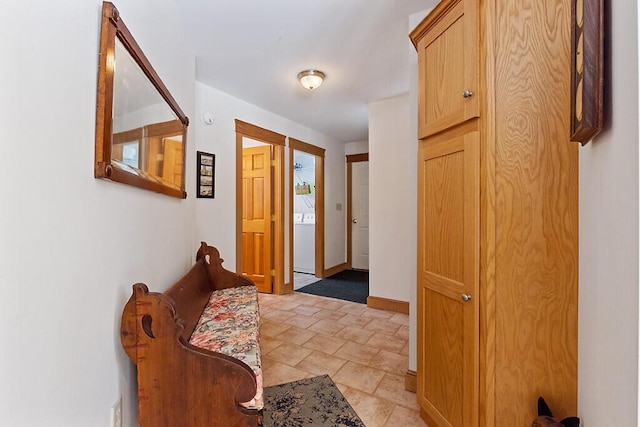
(248, 130)
(351, 158)
(319, 153)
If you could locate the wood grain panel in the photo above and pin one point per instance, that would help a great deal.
(257, 241)
(246, 163)
(443, 216)
(444, 73)
(443, 286)
(245, 195)
(258, 196)
(258, 161)
(443, 355)
(448, 251)
(471, 278)
(488, 224)
(536, 209)
(247, 259)
(447, 43)
(444, 147)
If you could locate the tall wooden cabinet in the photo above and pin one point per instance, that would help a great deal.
(497, 213)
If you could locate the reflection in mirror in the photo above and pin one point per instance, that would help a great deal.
(140, 130)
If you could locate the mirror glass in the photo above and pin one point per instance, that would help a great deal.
(147, 134)
(141, 131)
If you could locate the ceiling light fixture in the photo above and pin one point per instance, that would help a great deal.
(311, 79)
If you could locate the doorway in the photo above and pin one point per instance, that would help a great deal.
(306, 209)
(358, 211)
(260, 208)
(257, 227)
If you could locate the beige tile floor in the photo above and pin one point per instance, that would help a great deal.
(364, 350)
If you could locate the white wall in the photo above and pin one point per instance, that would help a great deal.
(392, 258)
(608, 304)
(71, 246)
(356, 147)
(215, 218)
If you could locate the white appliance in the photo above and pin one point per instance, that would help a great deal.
(304, 242)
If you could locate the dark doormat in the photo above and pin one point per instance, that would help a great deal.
(348, 285)
(309, 402)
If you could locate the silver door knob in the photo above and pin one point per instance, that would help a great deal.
(466, 297)
(355, 221)
(467, 93)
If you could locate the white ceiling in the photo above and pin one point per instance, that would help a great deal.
(253, 50)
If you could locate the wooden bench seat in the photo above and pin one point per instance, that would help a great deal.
(230, 324)
(186, 376)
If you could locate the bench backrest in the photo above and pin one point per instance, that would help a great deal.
(190, 295)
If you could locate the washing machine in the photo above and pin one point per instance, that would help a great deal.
(304, 242)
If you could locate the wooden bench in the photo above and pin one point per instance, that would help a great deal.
(181, 384)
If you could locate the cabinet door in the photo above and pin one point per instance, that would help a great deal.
(448, 67)
(448, 275)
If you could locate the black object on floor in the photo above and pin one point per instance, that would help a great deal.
(348, 285)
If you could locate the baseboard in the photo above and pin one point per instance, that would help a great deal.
(335, 269)
(388, 304)
(410, 381)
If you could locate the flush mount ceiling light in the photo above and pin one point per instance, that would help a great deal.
(310, 79)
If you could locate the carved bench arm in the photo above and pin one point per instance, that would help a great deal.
(176, 378)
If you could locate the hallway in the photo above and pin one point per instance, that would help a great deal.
(364, 350)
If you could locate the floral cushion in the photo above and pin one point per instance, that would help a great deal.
(230, 324)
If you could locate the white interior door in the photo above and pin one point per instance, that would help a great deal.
(360, 219)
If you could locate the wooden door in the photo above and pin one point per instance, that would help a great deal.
(360, 215)
(152, 155)
(447, 66)
(256, 216)
(448, 276)
(172, 161)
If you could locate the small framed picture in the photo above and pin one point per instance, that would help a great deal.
(206, 164)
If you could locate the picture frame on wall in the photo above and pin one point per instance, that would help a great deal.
(587, 68)
(206, 164)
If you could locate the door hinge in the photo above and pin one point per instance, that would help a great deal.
(273, 273)
(273, 162)
(273, 217)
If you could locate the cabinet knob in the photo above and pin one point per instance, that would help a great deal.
(467, 93)
(466, 297)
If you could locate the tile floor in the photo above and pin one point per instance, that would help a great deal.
(364, 350)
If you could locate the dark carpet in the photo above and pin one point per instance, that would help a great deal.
(309, 402)
(348, 285)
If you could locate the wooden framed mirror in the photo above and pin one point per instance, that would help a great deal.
(141, 132)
